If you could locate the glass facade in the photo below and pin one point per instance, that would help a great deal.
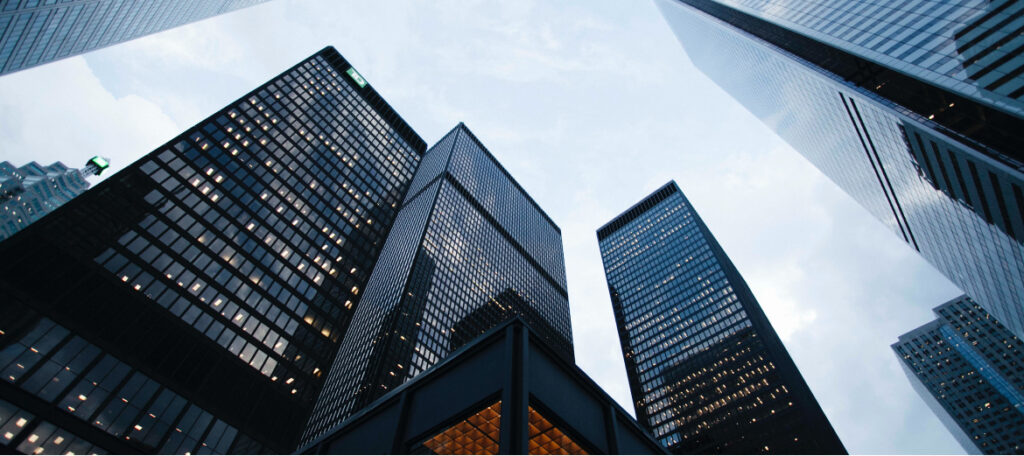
(34, 32)
(706, 370)
(969, 368)
(29, 192)
(972, 47)
(469, 248)
(193, 301)
(942, 169)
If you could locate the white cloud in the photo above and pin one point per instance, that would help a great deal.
(62, 112)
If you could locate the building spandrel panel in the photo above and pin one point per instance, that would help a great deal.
(34, 32)
(459, 260)
(221, 271)
(706, 370)
(958, 203)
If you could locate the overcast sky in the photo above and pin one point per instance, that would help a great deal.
(590, 105)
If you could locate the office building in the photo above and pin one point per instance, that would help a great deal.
(467, 237)
(29, 192)
(707, 372)
(913, 108)
(504, 392)
(968, 368)
(34, 32)
(193, 301)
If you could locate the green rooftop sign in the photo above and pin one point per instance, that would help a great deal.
(352, 73)
(100, 162)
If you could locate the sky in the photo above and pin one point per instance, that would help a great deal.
(590, 105)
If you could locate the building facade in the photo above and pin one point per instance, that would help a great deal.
(29, 192)
(707, 372)
(504, 392)
(968, 368)
(913, 108)
(34, 32)
(467, 238)
(193, 301)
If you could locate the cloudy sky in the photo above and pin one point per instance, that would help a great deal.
(591, 105)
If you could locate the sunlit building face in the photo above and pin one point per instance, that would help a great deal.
(706, 370)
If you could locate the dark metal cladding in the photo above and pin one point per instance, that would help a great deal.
(504, 392)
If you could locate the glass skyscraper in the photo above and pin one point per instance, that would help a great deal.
(193, 301)
(913, 108)
(707, 372)
(469, 248)
(29, 192)
(970, 370)
(34, 32)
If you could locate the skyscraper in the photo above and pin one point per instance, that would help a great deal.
(34, 32)
(706, 370)
(913, 108)
(193, 301)
(968, 368)
(29, 192)
(467, 237)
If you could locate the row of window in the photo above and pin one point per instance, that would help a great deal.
(77, 377)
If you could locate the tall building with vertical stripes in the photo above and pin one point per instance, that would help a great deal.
(707, 372)
(193, 301)
(34, 32)
(914, 108)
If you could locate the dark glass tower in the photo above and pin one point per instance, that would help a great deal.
(913, 108)
(34, 32)
(706, 370)
(468, 249)
(193, 301)
(29, 192)
(970, 370)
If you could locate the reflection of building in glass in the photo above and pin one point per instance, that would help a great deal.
(990, 48)
(34, 32)
(32, 191)
(887, 99)
(504, 392)
(192, 301)
(467, 235)
(506, 305)
(706, 370)
(970, 370)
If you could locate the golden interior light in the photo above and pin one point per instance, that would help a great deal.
(545, 438)
(477, 434)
